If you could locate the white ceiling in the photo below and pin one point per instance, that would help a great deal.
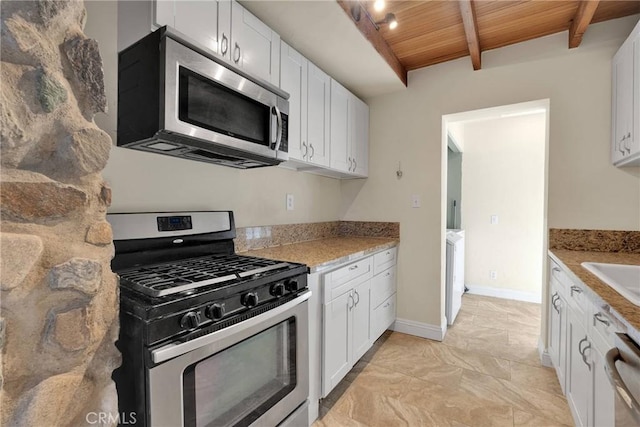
(322, 32)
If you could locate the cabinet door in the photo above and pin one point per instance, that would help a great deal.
(602, 392)
(198, 19)
(293, 79)
(360, 317)
(340, 151)
(318, 115)
(224, 29)
(578, 371)
(360, 143)
(337, 341)
(254, 46)
(558, 334)
(622, 75)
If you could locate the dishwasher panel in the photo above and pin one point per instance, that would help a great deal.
(623, 369)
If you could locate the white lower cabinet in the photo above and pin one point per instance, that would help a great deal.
(357, 307)
(558, 332)
(578, 369)
(579, 337)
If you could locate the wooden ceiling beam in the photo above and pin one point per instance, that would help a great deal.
(371, 33)
(468, 12)
(581, 21)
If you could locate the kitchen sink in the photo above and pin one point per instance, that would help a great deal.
(625, 279)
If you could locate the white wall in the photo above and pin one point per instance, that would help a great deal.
(585, 191)
(503, 175)
(150, 182)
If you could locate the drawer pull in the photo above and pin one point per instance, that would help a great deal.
(388, 253)
(583, 351)
(388, 274)
(386, 305)
(353, 267)
(600, 318)
(575, 289)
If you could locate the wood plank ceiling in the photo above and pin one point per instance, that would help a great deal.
(434, 31)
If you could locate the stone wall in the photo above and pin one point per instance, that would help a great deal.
(59, 298)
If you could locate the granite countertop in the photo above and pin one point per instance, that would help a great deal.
(627, 312)
(325, 253)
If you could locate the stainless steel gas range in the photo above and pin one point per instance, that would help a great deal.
(208, 337)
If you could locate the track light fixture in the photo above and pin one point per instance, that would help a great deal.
(390, 18)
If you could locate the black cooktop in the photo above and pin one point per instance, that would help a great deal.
(192, 273)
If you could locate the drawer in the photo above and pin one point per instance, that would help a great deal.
(383, 260)
(383, 286)
(602, 329)
(558, 275)
(348, 273)
(382, 317)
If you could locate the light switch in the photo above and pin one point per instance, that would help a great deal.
(494, 219)
(289, 202)
(415, 201)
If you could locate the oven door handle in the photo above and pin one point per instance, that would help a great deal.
(172, 350)
(621, 388)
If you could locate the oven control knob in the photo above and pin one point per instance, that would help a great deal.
(191, 320)
(292, 285)
(215, 311)
(277, 290)
(250, 299)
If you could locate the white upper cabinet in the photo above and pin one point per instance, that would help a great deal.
(349, 132)
(340, 150)
(198, 20)
(254, 46)
(318, 113)
(293, 78)
(309, 90)
(625, 108)
(359, 142)
(222, 26)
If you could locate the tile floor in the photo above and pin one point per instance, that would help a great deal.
(486, 372)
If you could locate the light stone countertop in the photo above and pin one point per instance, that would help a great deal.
(324, 254)
(603, 296)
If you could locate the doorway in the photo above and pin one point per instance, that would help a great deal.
(495, 172)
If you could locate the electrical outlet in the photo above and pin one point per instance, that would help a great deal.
(415, 201)
(289, 202)
(494, 219)
(493, 274)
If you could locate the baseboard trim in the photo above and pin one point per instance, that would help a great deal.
(545, 357)
(505, 293)
(419, 329)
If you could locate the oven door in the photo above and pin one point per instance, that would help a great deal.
(206, 100)
(255, 372)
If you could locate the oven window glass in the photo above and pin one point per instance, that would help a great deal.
(207, 104)
(237, 385)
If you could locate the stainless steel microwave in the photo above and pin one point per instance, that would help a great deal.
(179, 99)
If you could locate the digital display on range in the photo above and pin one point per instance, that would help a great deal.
(174, 223)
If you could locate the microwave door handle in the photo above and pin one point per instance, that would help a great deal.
(275, 110)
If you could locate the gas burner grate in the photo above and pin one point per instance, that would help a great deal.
(184, 275)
